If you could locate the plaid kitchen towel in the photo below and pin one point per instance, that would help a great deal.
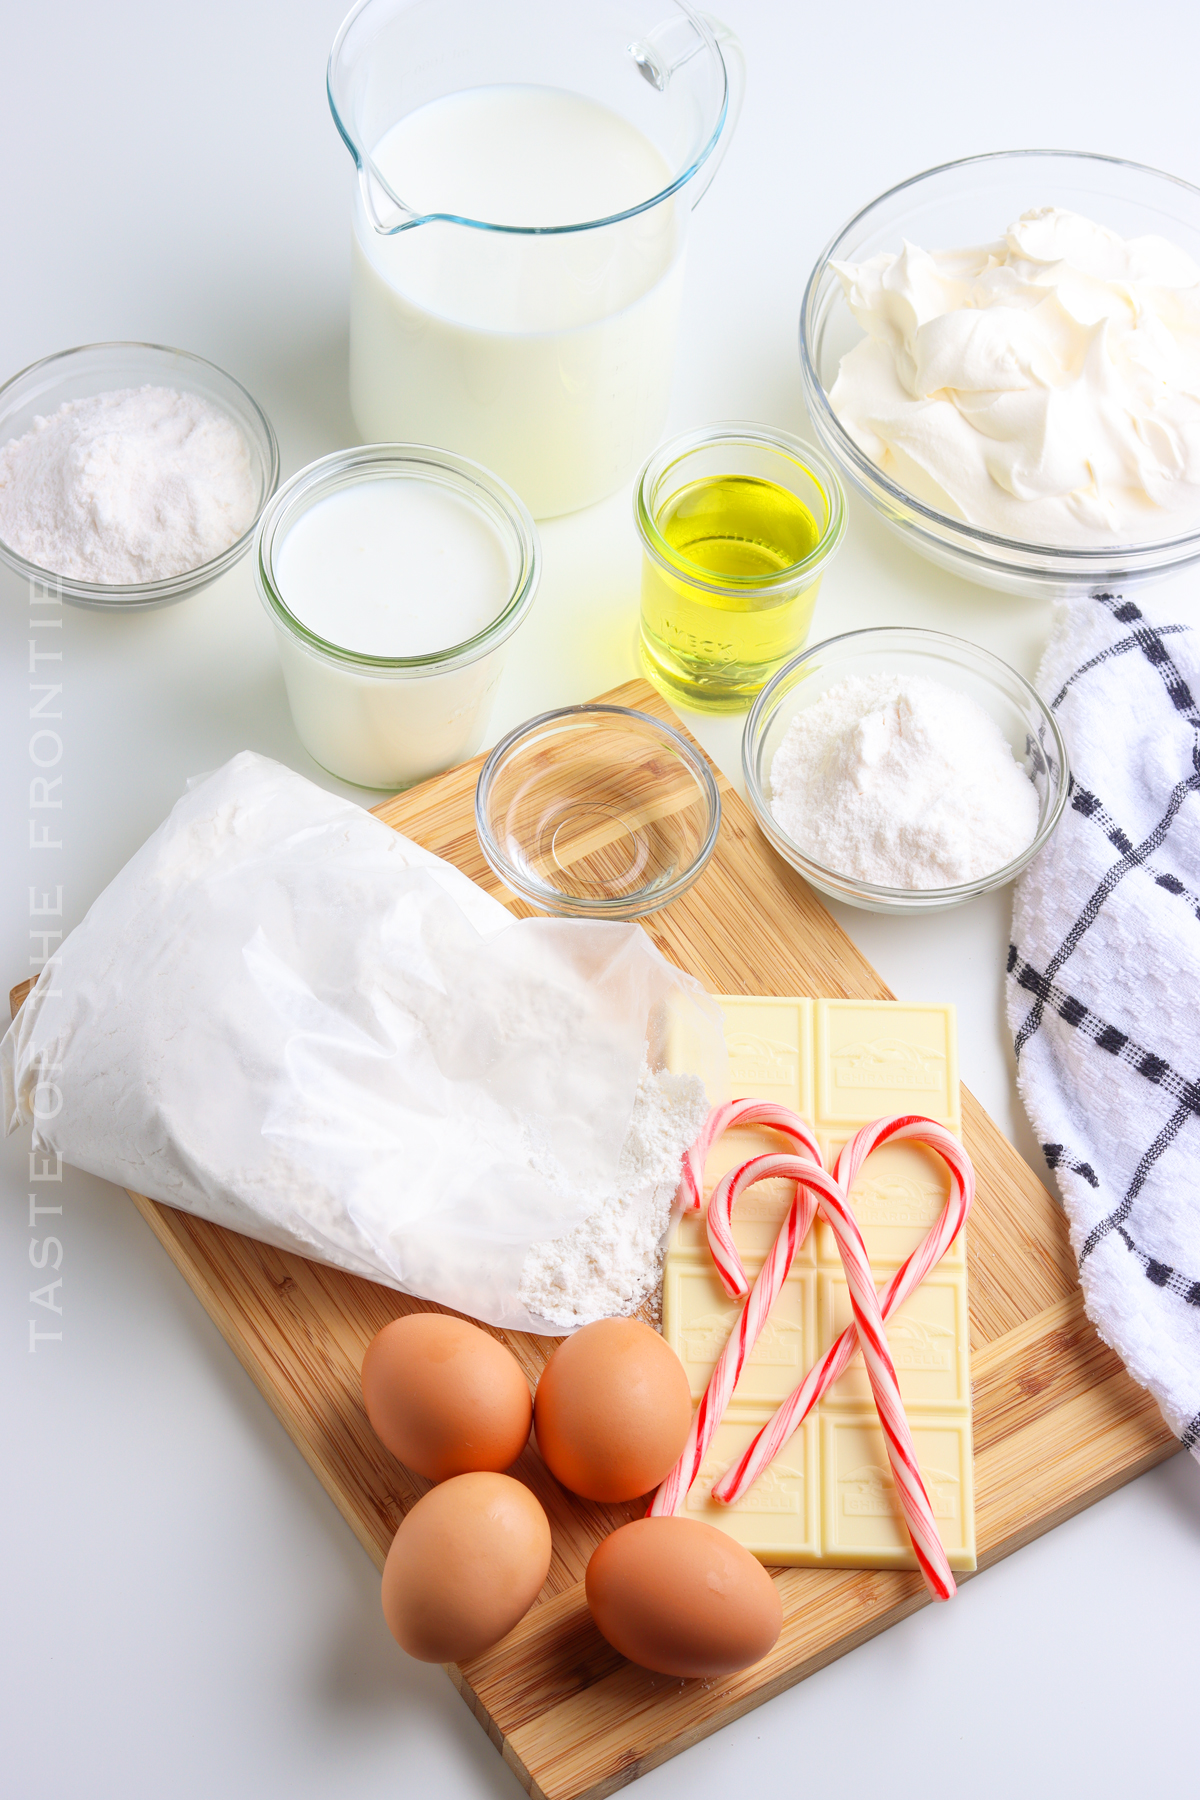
(1104, 985)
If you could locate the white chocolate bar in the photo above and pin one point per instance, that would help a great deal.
(829, 1497)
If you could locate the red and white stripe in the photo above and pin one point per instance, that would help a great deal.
(771, 1277)
(719, 1121)
(719, 1219)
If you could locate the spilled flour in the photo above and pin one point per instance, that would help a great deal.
(611, 1261)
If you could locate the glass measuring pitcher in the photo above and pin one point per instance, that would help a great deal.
(526, 170)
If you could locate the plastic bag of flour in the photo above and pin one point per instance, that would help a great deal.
(288, 1019)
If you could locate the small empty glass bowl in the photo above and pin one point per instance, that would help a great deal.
(1018, 709)
(597, 812)
(101, 369)
(973, 202)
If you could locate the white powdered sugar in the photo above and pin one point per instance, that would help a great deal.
(903, 782)
(135, 485)
(610, 1262)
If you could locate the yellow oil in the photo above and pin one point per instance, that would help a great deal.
(717, 650)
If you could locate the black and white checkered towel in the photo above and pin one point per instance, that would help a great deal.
(1104, 985)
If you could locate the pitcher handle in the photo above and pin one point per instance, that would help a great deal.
(734, 58)
(663, 51)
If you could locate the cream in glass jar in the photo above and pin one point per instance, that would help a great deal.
(394, 576)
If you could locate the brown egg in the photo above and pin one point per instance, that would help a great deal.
(613, 1410)
(680, 1597)
(445, 1397)
(466, 1564)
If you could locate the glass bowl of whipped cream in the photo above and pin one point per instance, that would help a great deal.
(1003, 356)
(902, 770)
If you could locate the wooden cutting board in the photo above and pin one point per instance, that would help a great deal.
(1058, 1423)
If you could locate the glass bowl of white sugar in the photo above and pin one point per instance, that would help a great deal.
(131, 475)
(904, 771)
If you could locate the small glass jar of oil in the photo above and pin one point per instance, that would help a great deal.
(737, 523)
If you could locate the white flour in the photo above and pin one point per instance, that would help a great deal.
(900, 781)
(134, 485)
(285, 1017)
(611, 1260)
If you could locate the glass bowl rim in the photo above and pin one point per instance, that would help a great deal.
(1093, 560)
(811, 458)
(629, 906)
(375, 462)
(899, 898)
(114, 594)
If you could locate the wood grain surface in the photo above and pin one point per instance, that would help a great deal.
(1058, 1423)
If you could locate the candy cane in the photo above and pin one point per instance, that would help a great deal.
(719, 1121)
(771, 1277)
(881, 1371)
(867, 1333)
(719, 1219)
(742, 1475)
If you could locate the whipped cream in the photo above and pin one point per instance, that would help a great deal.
(1046, 388)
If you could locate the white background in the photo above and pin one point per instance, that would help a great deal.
(185, 1613)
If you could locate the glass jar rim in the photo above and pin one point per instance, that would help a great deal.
(740, 432)
(341, 469)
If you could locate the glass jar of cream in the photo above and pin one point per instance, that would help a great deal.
(394, 576)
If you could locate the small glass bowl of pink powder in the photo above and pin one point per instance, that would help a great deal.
(141, 471)
(902, 770)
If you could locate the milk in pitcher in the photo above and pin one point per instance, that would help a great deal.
(545, 357)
